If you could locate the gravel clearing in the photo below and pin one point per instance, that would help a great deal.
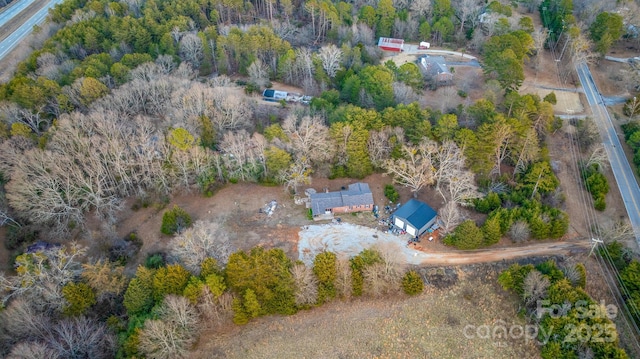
(349, 240)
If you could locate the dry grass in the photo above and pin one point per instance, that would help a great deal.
(427, 326)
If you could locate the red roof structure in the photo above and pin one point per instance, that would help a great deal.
(390, 44)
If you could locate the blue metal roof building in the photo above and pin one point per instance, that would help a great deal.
(415, 217)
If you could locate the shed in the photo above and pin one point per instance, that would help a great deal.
(390, 44)
(356, 198)
(414, 217)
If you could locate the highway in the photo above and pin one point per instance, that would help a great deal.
(13, 9)
(25, 29)
(621, 168)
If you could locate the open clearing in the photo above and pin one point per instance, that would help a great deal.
(431, 325)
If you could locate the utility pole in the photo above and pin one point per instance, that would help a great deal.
(594, 244)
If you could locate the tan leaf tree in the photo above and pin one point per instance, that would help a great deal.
(415, 169)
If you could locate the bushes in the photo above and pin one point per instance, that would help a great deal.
(268, 274)
(558, 291)
(597, 185)
(175, 220)
(324, 267)
(489, 203)
(412, 283)
(79, 297)
(391, 193)
(466, 236)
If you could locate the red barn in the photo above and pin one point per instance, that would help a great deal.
(389, 44)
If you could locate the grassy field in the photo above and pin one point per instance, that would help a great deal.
(431, 325)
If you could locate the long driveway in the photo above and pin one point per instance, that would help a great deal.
(620, 166)
(25, 29)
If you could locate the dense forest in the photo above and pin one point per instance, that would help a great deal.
(140, 99)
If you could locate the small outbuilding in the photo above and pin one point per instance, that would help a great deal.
(391, 44)
(356, 198)
(414, 217)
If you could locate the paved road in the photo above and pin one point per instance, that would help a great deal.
(13, 9)
(25, 29)
(622, 170)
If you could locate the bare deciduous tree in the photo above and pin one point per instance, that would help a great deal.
(331, 57)
(202, 240)
(416, 169)
(214, 309)
(381, 143)
(41, 276)
(617, 231)
(534, 288)
(519, 231)
(32, 350)
(191, 49)
(21, 321)
(343, 282)
(450, 216)
(241, 156)
(385, 277)
(258, 73)
(599, 158)
(306, 284)
(81, 338)
(580, 48)
(466, 10)
(309, 138)
(172, 335)
(421, 7)
(404, 93)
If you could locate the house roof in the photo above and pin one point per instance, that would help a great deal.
(356, 194)
(434, 64)
(390, 44)
(417, 213)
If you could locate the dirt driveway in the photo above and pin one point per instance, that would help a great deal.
(348, 239)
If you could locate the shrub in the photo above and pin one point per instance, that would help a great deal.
(489, 203)
(171, 279)
(79, 298)
(17, 236)
(412, 283)
(154, 261)
(551, 98)
(138, 298)
(175, 220)
(466, 236)
(582, 282)
(491, 231)
(391, 193)
(324, 267)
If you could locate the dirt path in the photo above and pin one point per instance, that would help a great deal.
(500, 254)
(348, 240)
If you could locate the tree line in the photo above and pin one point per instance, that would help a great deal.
(57, 307)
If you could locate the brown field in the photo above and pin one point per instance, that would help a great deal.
(430, 325)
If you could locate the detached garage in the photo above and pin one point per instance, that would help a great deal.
(414, 217)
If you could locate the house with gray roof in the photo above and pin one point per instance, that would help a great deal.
(414, 217)
(436, 68)
(356, 198)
